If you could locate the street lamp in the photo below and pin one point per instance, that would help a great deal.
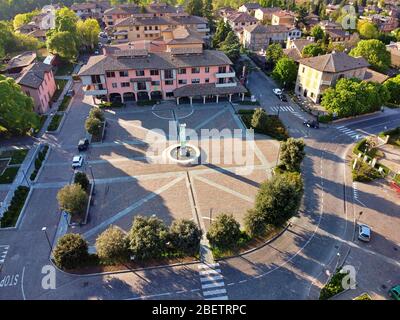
(337, 263)
(44, 229)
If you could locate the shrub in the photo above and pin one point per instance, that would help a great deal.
(72, 199)
(325, 118)
(82, 179)
(148, 237)
(112, 246)
(96, 113)
(259, 119)
(55, 122)
(292, 154)
(185, 237)
(10, 217)
(333, 287)
(71, 251)
(255, 223)
(224, 232)
(365, 173)
(93, 126)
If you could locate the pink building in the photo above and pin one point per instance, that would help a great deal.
(182, 73)
(37, 81)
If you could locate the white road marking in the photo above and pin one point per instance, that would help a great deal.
(212, 285)
(213, 292)
(212, 282)
(211, 278)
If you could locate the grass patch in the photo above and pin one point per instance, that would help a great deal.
(333, 287)
(55, 122)
(10, 217)
(9, 175)
(364, 296)
(64, 104)
(249, 103)
(110, 105)
(17, 156)
(38, 162)
(65, 69)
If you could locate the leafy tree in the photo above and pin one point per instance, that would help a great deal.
(88, 31)
(97, 113)
(185, 236)
(368, 30)
(224, 232)
(112, 246)
(393, 87)
(148, 237)
(279, 198)
(255, 223)
(72, 199)
(312, 50)
(386, 38)
(16, 108)
(374, 51)
(207, 12)
(71, 251)
(396, 34)
(66, 20)
(93, 126)
(82, 179)
(194, 7)
(292, 154)
(24, 18)
(259, 119)
(273, 54)
(317, 32)
(352, 97)
(285, 72)
(231, 46)
(64, 44)
(221, 33)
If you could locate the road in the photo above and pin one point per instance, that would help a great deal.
(291, 267)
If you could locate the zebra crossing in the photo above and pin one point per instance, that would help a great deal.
(351, 133)
(212, 282)
(3, 253)
(283, 109)
(355, 191)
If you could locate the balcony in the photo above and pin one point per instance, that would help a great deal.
(227, 74)
(151, 31)
(94, 90)
(203, 30)
(121, 33)
(226, 84)
(326, 82)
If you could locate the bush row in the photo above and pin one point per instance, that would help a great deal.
(55, 122)
(38, 162)
(10, 217)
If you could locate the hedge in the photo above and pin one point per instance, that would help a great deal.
(9, 175)
(38, 162)
(55, 122)
(10, 217)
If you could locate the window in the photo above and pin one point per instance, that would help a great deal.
(156, 28)
(114, 85)
(110, 23)
(196, 70)
(195, 80)
(168, 74)
(125, 84)
(96, 79)
(146, 35)
(123, 74)
(141, 85)
(304, 69)
(155, 83)
(221, 69)
(182, 81)
(169, 94)
(154, 72)
(207, 69)
(182, 71)
(169, 82)
(206, 80)
(110, 74)
(139, 73)
(137, 28)
(150, 28)
(145, 28)
(312, 95)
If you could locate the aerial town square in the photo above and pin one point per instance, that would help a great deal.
(199, 150)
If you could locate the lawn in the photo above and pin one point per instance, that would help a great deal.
(60, 87)
(17, 156)
(55, 122)
(10, 217)
(64, 104)
(65, 69)
(9, 175)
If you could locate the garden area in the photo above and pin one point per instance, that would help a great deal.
(38, 162)
(55, 122)
(333, 287)
(60, 83)
(95, 124)
(11, 216)
(64, 103)
(10, 162)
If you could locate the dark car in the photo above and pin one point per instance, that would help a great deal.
(70, 93)
(283, 98)
(311, 124)
(83, 144)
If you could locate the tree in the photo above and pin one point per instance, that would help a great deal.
(66, 20)
(24, 18)
(72, 199)
(194, 7)
(312, 50)
(367, 30)
(88, 31)
(148, 237)
(259, 119)
(231, 46)
(285, 72)
(393, 87)
(396, 34)
(221, 33)
(224, 232)
(64, 44)
(71, 251)
(185, 236)
(279, 198)
(16, 108)
(375, 52)
(317, 33)
(255, 223)
(207, 12)
(93, 126)
(112, 246)
(351, 97)
(292, 154)
(82, 179)
(273, 54)
(96, 113)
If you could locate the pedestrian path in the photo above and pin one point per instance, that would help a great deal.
(3, 254)
(212, 282)
(351, 133)
(283, 109)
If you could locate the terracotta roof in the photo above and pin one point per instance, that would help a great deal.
(205, 89)
(301, 43)
(284, 13)
(334, 62)
(139, 21)
(34, 75)
(337, 33)
(153, 60)
(293, 53)
(239, 17)
(252, 6)
(270, 10)
(177, 51)
(260, 28)
(373, 76)
(83, 6)
(160, 8)
(22, 60)
(123, 9)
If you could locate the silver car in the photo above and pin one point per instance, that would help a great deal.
(364, 232)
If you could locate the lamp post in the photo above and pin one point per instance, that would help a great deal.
(44, 229)
(338, 259)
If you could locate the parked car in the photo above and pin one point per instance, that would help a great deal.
(311, 124)
(83, 144)
(394, 292)
(364, 232)
(277, 91)
(283, 98)
(70, 93)
(77, 162)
